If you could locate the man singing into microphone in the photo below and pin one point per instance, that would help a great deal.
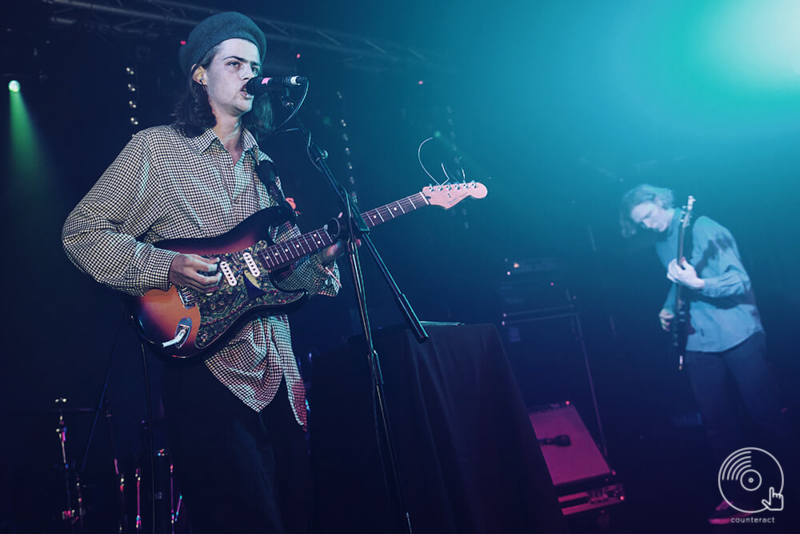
(235, 421)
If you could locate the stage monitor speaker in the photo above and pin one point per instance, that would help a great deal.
(580, 473)
(568, 447)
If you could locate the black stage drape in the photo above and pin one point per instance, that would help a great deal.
(467, 455)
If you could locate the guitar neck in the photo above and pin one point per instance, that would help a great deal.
(679, 257)
(681, 241)
(684, 227)
(286, 252)
(391, 211)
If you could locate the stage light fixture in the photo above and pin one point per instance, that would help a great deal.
(14, 86)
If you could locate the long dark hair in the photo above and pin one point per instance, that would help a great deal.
(639, 195)
(193, 114)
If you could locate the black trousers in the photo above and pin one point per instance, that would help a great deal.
(238, 470)
(724, 382)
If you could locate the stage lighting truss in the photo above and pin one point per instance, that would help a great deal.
(156, 17)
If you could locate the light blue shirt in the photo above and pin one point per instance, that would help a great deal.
(722, 314)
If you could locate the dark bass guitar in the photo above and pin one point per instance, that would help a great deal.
(183, 323)
(680, 324)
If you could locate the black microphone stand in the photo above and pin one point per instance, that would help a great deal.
(357, 228)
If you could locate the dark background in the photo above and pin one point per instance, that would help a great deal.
(557, 108)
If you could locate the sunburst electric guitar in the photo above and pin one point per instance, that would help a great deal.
(679, 329)
(183, 323)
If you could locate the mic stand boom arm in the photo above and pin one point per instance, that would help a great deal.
(357, 229)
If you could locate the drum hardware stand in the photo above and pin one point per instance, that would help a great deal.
(72, 515)
(119, 476)
(149, 476)
(138, 525)
(174, 509)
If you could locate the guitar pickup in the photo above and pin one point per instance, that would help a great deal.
(251, 264)
(227, 273)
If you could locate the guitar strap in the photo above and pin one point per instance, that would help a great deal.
(268, 172)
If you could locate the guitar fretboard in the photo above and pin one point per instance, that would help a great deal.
(395, 209)
(286, 252)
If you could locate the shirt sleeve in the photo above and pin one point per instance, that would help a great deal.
(720, 264)
(309, 273)
(100, 234)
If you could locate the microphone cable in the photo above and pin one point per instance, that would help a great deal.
(288, 104)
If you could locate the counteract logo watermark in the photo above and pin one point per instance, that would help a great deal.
(751, 481)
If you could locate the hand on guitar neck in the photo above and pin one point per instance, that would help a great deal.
(685, 275)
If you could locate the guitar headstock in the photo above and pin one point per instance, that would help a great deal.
(448, 195)
(687, 211)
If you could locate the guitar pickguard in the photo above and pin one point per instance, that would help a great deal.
(220, 309)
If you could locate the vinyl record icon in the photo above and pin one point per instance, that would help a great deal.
(746, 477)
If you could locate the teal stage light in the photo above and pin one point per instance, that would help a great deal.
(13, 86)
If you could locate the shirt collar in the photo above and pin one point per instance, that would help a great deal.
(203, 142)
(249, 143)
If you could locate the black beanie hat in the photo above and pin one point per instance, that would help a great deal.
(215, 29)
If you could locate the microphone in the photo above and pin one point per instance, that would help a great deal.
(562, 440)
(260, 85)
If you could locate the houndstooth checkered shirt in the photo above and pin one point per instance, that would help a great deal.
(164, 185)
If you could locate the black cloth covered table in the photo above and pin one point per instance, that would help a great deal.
(467, 455)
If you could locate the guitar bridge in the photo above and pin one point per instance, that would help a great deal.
(187, 297)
